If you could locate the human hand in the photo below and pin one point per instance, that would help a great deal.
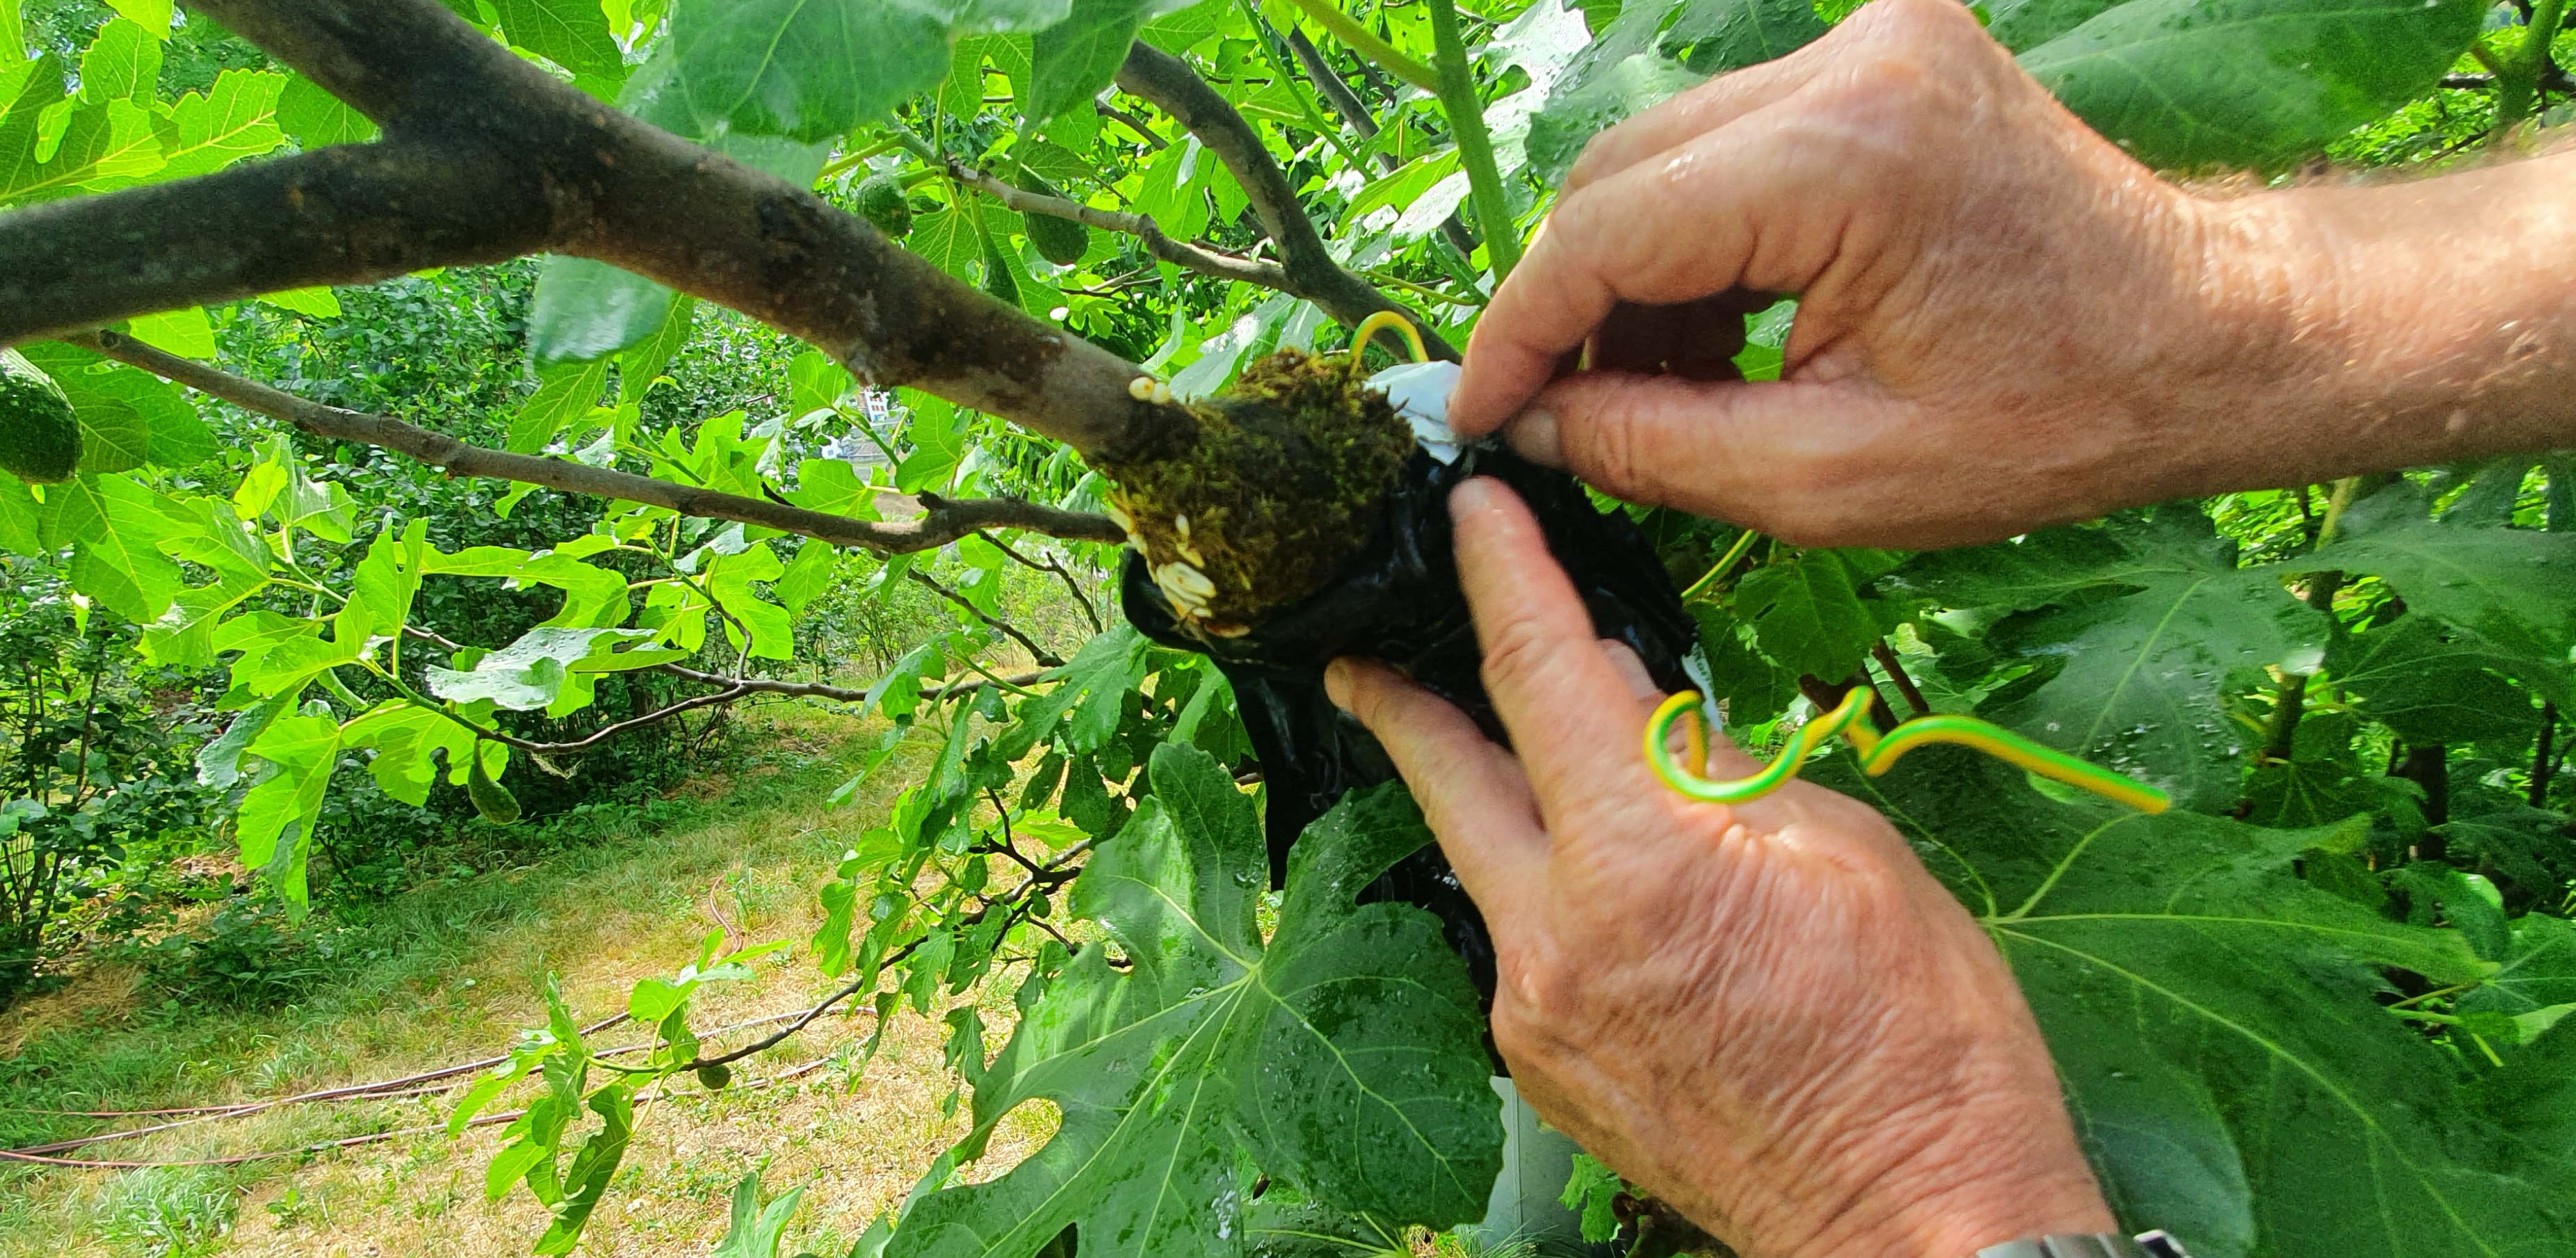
(2004, 321)
(1770, 1015)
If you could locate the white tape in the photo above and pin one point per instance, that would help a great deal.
(1420, 393)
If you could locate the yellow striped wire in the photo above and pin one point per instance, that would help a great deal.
(1380, 322)
(1878, 752)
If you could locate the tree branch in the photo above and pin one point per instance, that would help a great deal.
(942, 524)
(606, 732)
(1073, 587)
(1347, 103)
(1133, 123)
(486, 157)
(1179, 253)
(1043, 657)
(1335, 92)
(1170, 85)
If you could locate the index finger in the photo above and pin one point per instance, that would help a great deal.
(1682, 226)
(1574, 720)
(1704, 108)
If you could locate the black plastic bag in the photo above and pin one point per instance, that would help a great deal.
(1399, 602)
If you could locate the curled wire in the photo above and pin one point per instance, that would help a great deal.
(1382, 321)
(1878, 752)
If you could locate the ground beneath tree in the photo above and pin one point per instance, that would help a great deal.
(853, 1134)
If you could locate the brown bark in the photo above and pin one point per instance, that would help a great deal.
(486, 157)
(1170, 84)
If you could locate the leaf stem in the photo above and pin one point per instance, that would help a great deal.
(1458, 99)
(1370, 46)
(1726, 563)
(2518, 72)
(857, 156)
(1263, 36)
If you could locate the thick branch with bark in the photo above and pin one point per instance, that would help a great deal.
(486, 157)
(1168, 83)
(944, 522)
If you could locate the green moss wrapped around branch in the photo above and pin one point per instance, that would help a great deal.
(1284, 483)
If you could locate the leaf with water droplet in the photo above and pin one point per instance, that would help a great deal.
(2216, 1022)
(1345, 1056)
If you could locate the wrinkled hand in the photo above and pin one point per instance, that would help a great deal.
(1770, 1016)
(2004, 321)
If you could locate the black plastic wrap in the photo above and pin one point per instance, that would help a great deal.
(1399, 602)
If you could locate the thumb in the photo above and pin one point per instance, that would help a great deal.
(1793, 459)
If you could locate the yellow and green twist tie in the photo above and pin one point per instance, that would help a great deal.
(1386, 321)
(1878, 752)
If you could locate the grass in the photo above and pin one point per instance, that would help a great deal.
(453, 973)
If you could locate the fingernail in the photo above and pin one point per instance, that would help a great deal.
(1337, 684)
(1472, 495)
(1632, 669)
(1533, 435)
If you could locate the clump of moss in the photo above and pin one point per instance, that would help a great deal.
(1283, 485)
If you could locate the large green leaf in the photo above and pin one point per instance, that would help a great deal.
(530, 672)
(1653, 50)
(233, 120)
(1093, 691)
(2022, 25)
(1807, 612)
(571, 33)
(587, 310)
(1072, 60)
(115, 527)
(2534, 847)
(2156, 624)
(1723, 35)
(2248, 82)
(810, 70)
(755, 1229)
(40, 162)
(303, 750)
(1344, 1057)
(2217, 1025)
(565, 393)
(315, 118)
(2429, 683)
(729, 581)
(123, 61)
(2514, 589)
(1621, 73)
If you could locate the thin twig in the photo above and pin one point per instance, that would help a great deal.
(1080, 598)
(1886, 657)
(936, 528)
(1179, 253)
(1043, 657)
(1152, 141)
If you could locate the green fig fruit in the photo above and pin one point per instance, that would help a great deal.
(882, 202)
(715, 1076)
(491, 799)
(1061, 241)
(40, 438)
(1000, 271)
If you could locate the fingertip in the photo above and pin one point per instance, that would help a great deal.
(1337, 683)
(1535, 435)
(1478, 494)
(1632, 669)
